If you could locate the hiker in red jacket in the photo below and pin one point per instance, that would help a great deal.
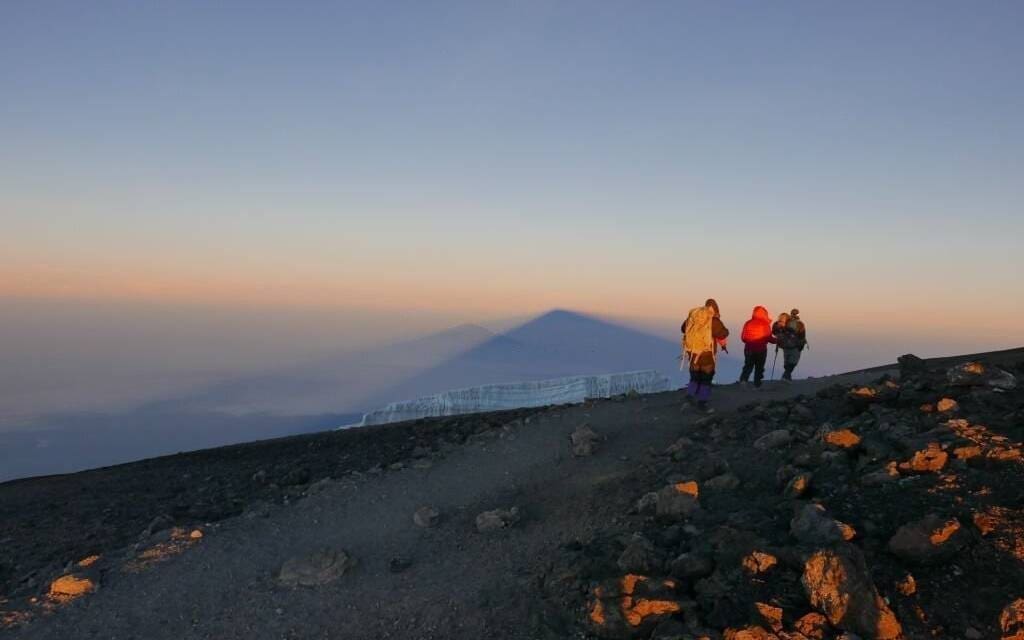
(757, 334)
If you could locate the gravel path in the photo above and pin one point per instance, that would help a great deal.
(459, 583)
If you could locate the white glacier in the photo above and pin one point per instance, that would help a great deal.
(517, 395)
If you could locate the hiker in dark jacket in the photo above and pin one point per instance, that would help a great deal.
(703, 335)
(757, 334)
(791, 336)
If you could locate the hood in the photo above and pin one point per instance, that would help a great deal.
(760, 313)
(714, 305)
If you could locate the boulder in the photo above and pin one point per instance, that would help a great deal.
(813, 525)
(977, 374)
(426, 517)
(839, 586)
(497, 519)
(584, 441)
(317, 568)
(930, 539)
(773, 440)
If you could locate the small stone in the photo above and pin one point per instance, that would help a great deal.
(648, 503)
(841, 438)
(813, 625)
(260, 476)
(196, 534)
(758, 562)
(584, 441)
(399, 564)
(497, 519)
(317, 568)
(947, 405)
(907, 585)
(798, 485)
(1011, 620)
(724, 482)
(426, 517)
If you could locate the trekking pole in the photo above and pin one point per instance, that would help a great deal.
(775, 361)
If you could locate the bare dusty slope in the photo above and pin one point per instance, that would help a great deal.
(536, 578)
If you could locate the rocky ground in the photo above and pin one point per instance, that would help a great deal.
(870, 505)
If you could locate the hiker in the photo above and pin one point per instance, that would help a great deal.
(757, 334)
(791, 336)
(703, 335)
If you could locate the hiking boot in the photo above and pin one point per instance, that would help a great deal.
(744, 384)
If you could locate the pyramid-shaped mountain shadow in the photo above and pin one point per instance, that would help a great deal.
(337, 381)
(558, 343)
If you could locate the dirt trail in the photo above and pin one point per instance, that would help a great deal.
(460, 583)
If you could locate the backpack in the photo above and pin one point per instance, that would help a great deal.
(697, 339)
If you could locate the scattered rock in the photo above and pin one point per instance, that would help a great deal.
(773, 440)
(1011, 620)
(692, 566)
(584, 441)
(971, 374)
(841, 438)
(812, 625)
(158, 524)
(911, 365)
(929, 460)
(497, 519)
(882, 476)
(320, 486)
(838, 584)
(260, 476)
(675, 504)
(317, 568)
(813, 525)
(631, 606)
(648, 503)
(426, 517)
(929, 539)
(947, 405)
(758, 562)
(724, 482)
(770, 614)
(69, 587)
(907, 585)
(295, 476)
(639, 556)
(752, 632)
(399, 564)
(798, 486)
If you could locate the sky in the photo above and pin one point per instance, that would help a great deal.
(391, 167)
